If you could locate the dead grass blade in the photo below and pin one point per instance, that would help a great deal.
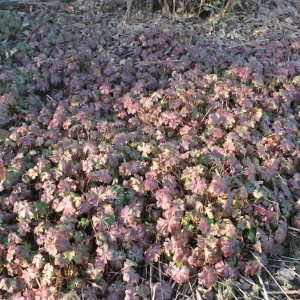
(263, 287)
(271, 276)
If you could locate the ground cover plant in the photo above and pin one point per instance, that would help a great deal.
(170, 153)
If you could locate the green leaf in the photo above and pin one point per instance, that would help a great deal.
(41, 207)
(74, 195)
(286, 209)
(98, 167)
(144, 290)
(118, 189)
(84, 222)
(111, 220)
(169, 258)
(232, 263)
(26, 246)
(239, 249)
(74, 283)
(3, 135)
(211, 127)
(78, 236)
(12, 172)
(171, 133)
(69, 255)
(184, 222)
(251, 236)
(85, 249)
(142, 199)
(65, 227)
(201, 160)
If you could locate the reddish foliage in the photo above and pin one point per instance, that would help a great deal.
(166, 149)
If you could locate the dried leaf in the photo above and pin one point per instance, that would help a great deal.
(3, 170)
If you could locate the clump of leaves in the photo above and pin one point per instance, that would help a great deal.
(112, 162)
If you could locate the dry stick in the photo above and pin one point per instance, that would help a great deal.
(287, 259)
(227, 7)
(153, 295)
(296, 236)
(206, 115)
(183, 293)
(178, 293)
(263, 287)
(295, 229)
(291, 258)
(176, 290)
(242, 292)
(249, 280)
(192, 289)
(287, 292)
(229, 291)
(199, 297)
(200, 6)
(151, 284)
(159, 270)
(38, 282)
(37, 98)
(159, 273)
(82, 293)
(277, 266)
(185, 290)
(151, 268)
(271, 276)
(220, 295)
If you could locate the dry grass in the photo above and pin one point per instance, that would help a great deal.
(279, 280)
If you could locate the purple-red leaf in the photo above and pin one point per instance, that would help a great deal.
(180, 274)
(130, 168)
(219, 185)
(197, 185)
(225, 270)
(281, 232)
(100, 176)
(207, 277)
(130, 275)
(91, 148)
(153, 253)
(204, 226)
(164, 198)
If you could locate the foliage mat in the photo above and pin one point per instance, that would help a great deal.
(127, 173)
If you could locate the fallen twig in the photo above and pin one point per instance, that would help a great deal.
(291, 258)
(295, 229)
(263, 287)
(284, 293)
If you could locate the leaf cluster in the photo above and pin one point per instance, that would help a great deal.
(184, 155)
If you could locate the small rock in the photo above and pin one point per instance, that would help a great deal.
(286, 274)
